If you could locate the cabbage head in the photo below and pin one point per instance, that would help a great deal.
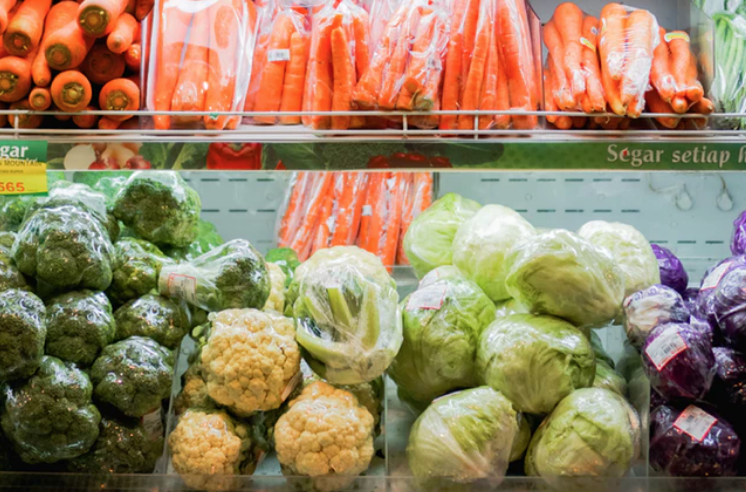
(482, 243)
(442, 272)
(609, 379)
(429, 239)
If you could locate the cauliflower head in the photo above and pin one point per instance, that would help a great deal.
(50, 417)
(276, 300)
(326, 434)
(133, 375)
(24, 329)
(135, 268)
(65, 248)
(250, 361)
(155, 317)
(208, 449)
(159, 207)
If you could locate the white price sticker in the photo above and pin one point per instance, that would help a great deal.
(183, 287)
(278, 55)
(153, 423)
(695, 422)
(433, 63)
(664, 348)
(713, 279)
(431, 297)
(431, 277)
(367, 210)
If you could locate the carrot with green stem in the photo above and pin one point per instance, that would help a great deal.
(40, 99)
(563, 97)
(657, 105)
(6, 6)
(126, 31)
(86, 121)
(570, 25)
(642, 30)
(191, 88)
(15, 78)
(25, 121)
(102, 66)
(71, 91)
(589, 61)
(452, 81)
(25, 29)
(97, 17)
(120, 95)
(170, 46)
(694, 89)
(133, 57)
(611, 45)
(661, 76)
(295, 78)
(67, 46)
(475, 78)
(269, 95)
(344, 78)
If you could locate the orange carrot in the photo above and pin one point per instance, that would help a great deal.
(570, 25)
(66, 47)
(191, 90)
(320, 84)
(561, 122)
(475, 78)
(392, 228)
(564, 97)
(40, 99)
(132, 57)
(703, 106)
(579, 121)
(502, 122)
(419, 199)
(40, 72)
(98, 17)
(303, 238)
(5, 8)
(596, 97)
(612, 43)
(106, 123)
(488, 99)
(258, 65)
(25, 121)
(406, 216)
(451, 84)
(680, 58)
(71, 91)
(369, 209)
(291, 217)
(143, 8)
(613, 94)
(269, 96)
(170, 46)
(377, 208)
(15, 78)
(658, 105)
(417, 67)
(641, 29)
(694, 89)
(470, 20)
(325, 220)
(394, 74)
(86, 121)
(120, 95)
(680, 104)
(660, 73)
(102, 66)
(295, 77)
(344, 78)
(361, 32)
(126, 31)
(349, 208)
(25, 29)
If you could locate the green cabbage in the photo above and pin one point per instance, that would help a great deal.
(440, 273)
(522, 439)
(609, 379)
(506, 308)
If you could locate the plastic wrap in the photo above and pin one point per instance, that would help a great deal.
(463, 438)
(645, 310)
(346, 314)
(729, 87)
(66, 248)
(535, 361)
(607, 378)
(246, 338)
(679, 361)
(482, 243)
(50, 417)
(277, 278)
(136, 267)
(233, 275)
(79, 325)
(155, 317)
(133, 375)
(705, 303)
(592, 433)
(440, 273)
(729, 387)
(729, 307)
(560, 273)
(13, 210)
(738, 239)
(692, 443)
(672, 272)
(23, 319)
(418, 198)
(286, 259)
(442, 323)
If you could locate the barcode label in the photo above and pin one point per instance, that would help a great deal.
(367, 210)
(278, 55)
(428, 298)
(664, 348)
(713, 279)
(433, 63)
(676, 35)
(695, 422)
(183, 287)
(153, 424)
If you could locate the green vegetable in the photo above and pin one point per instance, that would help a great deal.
(729, 87)
(599, 350)
(522, 439)
(110, 185)
(13, 210)
(79, 325)
(535, 361)
(442, 324)
(506, 308)
(428, 241)
(7, 239)
(160, 207)
(285, 258)
(10, 277)
(50, 417)
(207, 240)
(22, 318)
(155, 317)
(606, 378)
(133, 375)
(136, 267)
(440, 273)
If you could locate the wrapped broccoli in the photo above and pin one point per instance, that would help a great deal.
(24, 330)
(159, 207)
(13, 210)
(155, 317)
(207, 240)
(65, 248)
(348, 321)
(10, 277)
(79, 325)
(50, 417)
(285, 258)
(136, 267)
(6, 242)
(276, 300)
(233, 275)
(133, 375)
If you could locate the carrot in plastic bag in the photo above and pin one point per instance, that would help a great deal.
(694, 89)
(426, 62)
(418, 199)
(612, 41)
(416, 75)
(294, 209)
(361, 30)
(561, 122)
(642, 36)
(570, 25)
(451, 83)
(470, 20)
(317, 192)
(502, 121)
(295, 76)
(562, 93)
(269, 94)
(657, 105)
(370, 218)
(477, 67)
(349, 209)
(344, 78)
(488, 98)
(396, 193)
(661, 76)
(190, 93)
(393, 77)
(594, 87)
(325, 221)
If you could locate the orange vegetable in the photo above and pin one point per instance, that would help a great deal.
(658, 105)
(25, 121)
(86, 121)
(452, 82)
(120, 95)
(570, 25)
(295, 77)
(25, 29)
(488, 99)
(132, 57)
(562, 93)
(392, 226)
(661, 76)
(320, 84)
(191, 88)
(143, 8)
(106, 123)
(40, 99)
(126, 31)
(561, 122)
(344, 78)
(98, 17)
(15, 78)
(361, 32)
(5, 8)
(292, 216)
(613, 38)
(475, 78)
(680, 59)
(595, 89)
(641, 29)
(694, 89)
(325, 219)
(303, 238)
(418, 199)
(502, 122)
(367, 237)
(71, 91)
(269, 96)
(349, 208)
(101, 65)
(171, 39)
(395, 72)
(65, 47)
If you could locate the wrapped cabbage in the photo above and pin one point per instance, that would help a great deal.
(629, 248)
(705, 305)
(645, 310)
(607, 378)
(23, 333)
(690, 299)
(679, 361)
(441, 272)
(534, 360)
(506, 308)
(599, 351)
(347, 315)
(671, 270)
(738, 239)
(442, 323)
(692, 443)
(562, 274)
(704, 327)
(482, 243)
(729, 387)
(729, 307)
(591, 433)
(429, 239)
(464, 437)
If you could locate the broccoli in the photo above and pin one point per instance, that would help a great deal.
(13, 211)
(50, 417)
(233, 275)
(79, 325)
(123, 446)
(207, 240)
(155, 317)
(22, 319)
(66, 248)
(136, 266)
(7, 239)
(110, 185)
(285, 258)
(10, 277)
(133, 375)
(159, 207)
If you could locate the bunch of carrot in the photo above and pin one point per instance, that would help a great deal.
(370, 210)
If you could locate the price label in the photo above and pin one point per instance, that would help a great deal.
(695, 422)
(23, 168)
(663, 349)
(429, 298)
(713, 279)
(153, 424)
(278, 55)
(183, 287)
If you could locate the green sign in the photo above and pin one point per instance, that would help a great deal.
(23, 166)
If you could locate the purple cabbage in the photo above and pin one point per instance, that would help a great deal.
(656, 400)
(672, 271)
(729, 307)
(680, 455)
(648, 308)
(729, 387)
(713, 277)
(679, 362)
(690, 299)
(738, 240)
(704, 327)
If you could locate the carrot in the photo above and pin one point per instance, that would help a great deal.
(170, 45)
(641, 27)
(25, 121)
(470, 22)
(320, 83)
(680, 104)
(71, 91)
(451, 83)
(126, 31)
(361, 32)
(406, 217)
(612, 43)
(488, 99)
(680, 58)
(66, 47)
(579, 121)
(417, 68)
(344, 78)
(703, 106)
(562, 94)
(25, 29)
(613, 94)
(658, 105)
(502, 121)
(325, 219)
(378, 197)
(303, 238)
(394, 74)
(120, 95)
(392, 227)
(98, 17)
(15, 78)
(291, 217)
(86, 121)
(102, 66)
(269, 96)
(40, 99)
(295, 77)
(106, 123)
(5, 8)
(596, 97)
(191, 91)
(258, 65)
(40, 72)
(143, 8)
(561, 122)
(419, 199)
(570, 25)
(349, 208)
(477, 69)
(368, 213)
(694, 89)
(661, 76)
(132, 57)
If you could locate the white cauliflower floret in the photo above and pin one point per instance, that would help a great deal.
(325, 434)
(208, 448)
(250, 360)
(276, 300)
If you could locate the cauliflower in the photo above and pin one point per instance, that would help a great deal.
(325, 434)
(155, 317)
(250, 361)
(136, 266)
(79, 325)
(22, 318)
(133, 375)
(160, 207)
(50, 417)
(285, 258)
(276, 301)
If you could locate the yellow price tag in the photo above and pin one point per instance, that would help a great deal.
(23, 167)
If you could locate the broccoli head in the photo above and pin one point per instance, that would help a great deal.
(233, 275)
(110, 185)
(65, 248)
(153, 316)
(207, 240)
(123, 446)
(13, 210)
(7, 239)
(10, 277)
(50, 417)
(136, 266)
(159, 207)
(79, 325)
(133, 375)
(285, 258)
(22, 318)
